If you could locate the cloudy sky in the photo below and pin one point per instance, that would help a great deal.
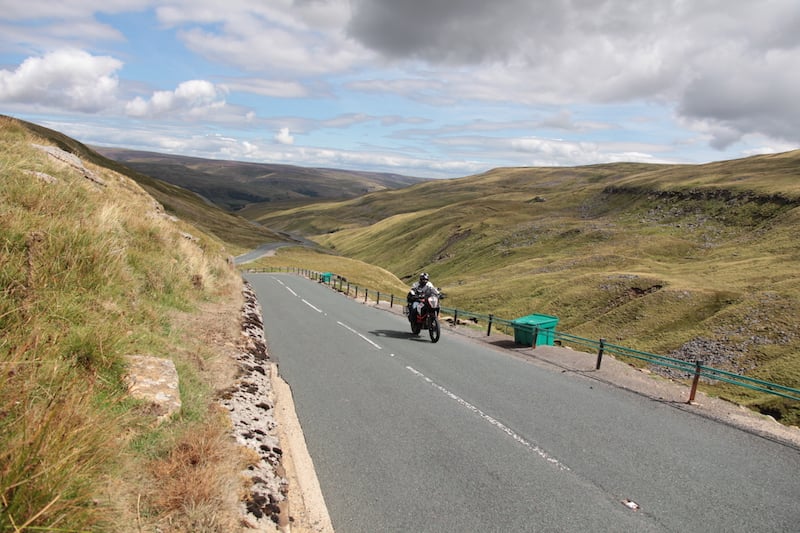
(430, 88)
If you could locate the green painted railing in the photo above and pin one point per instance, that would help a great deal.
(692, 368)
(695, 369)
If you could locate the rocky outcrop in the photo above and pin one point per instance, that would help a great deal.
(72, 160)
(155, 381)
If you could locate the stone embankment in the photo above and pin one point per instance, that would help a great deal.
(284, 493)
(250, 402)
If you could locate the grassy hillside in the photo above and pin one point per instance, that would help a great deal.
(238, 232)
(686, 260)
(253, 189)
(357, 273)
(90, 273)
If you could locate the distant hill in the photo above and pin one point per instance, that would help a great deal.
(691, 261)
(259, 187)
(698, 262)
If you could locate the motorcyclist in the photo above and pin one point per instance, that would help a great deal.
(419, 290)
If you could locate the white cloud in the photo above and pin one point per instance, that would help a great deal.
(271, 49)
(347, 120)
(192, 97)
(270, 88)
(48, 25)
(303, 37)
(284, 137)
(69, 79)
(66, 9)
(735, 63)
(732, 98)
(553, 152)
(489, 151)
(407, 87)
(425, 83)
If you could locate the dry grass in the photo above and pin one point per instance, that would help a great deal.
(356, 272)
(51, 453)
(196, 487)
(239, 233)
(88, 274)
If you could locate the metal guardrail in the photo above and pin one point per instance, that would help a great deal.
(696, 369)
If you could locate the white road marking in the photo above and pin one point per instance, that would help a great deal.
(317, 309)
(496, 423)
(345, 326)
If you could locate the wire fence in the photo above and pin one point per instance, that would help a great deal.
(694, 369)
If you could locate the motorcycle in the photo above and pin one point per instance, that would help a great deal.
(427, 315)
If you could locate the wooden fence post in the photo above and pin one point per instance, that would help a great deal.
(600, 354)
(696, 380)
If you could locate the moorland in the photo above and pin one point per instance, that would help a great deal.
(691, 261)
(696, 262)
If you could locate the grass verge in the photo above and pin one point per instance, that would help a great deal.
(92, 270)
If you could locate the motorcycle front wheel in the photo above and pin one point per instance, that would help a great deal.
(434, 330)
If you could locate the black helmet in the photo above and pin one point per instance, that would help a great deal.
(424, 278)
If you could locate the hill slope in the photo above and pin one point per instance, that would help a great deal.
(694, 261)
(184, 204)
(255, 188)
(93, 270)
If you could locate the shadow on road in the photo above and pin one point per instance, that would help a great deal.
(394, 334)
(506, 344)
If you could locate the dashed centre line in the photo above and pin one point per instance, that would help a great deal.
(312, 306)
(496, 423)
(345, 326)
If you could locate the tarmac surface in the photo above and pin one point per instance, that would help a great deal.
(628, 377)
(308, 510)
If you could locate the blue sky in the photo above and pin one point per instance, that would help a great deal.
(429, 88)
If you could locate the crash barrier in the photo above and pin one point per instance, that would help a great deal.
(529, 331)
(694, 369)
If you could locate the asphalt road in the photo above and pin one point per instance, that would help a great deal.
(266, 248)
(259, 252)
(459, 436)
